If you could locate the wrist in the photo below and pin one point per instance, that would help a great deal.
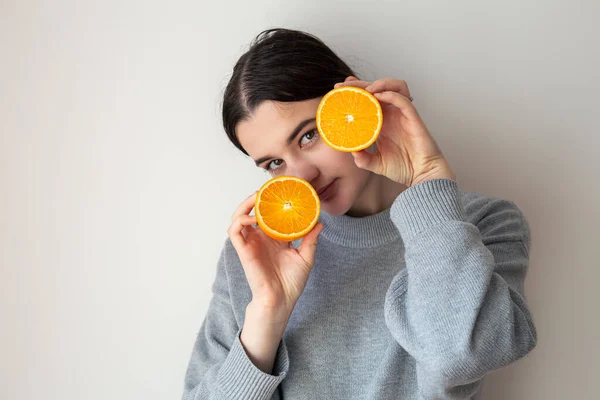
(260, 337)
(273, 318)
(444, 172)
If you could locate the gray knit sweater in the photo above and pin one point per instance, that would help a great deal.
(419, 301)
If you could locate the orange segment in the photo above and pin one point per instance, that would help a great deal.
(349, 118)
(287, 208)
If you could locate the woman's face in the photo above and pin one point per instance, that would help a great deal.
(283, 139)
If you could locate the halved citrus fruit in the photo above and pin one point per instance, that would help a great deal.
(287, 208)
(349, 118)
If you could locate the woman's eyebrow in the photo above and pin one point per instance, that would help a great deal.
(290, 139)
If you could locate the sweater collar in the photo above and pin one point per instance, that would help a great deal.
(369, 231)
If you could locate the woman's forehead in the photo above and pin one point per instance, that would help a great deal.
(273, 121)
(289, 112)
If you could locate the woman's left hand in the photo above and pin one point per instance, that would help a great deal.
(407, 153)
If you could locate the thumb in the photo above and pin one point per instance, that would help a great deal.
(368, 161)
(308, 246)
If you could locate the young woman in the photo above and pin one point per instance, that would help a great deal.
(407, 288)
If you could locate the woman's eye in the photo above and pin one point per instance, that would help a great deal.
(273, 165)
(309, 135)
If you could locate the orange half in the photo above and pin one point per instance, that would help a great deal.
(287, 208)
(349, 118)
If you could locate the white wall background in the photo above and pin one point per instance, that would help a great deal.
(117, 182)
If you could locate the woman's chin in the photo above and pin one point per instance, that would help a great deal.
(334, 207)
(339, 202)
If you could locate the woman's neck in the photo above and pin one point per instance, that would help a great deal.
(378, 194)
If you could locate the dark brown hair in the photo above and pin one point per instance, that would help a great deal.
(281, 65)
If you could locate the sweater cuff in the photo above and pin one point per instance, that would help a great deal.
(239, 378)
(426, 204)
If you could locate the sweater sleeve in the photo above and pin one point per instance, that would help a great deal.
(219, 367)
(458, 307)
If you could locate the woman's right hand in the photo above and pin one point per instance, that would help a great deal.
(276, 272)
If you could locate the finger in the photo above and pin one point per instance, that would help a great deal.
(348, 79)
(400, 101)
(235, 231)
(246, 206)
(389, 85)
(368, 161)
(360, 84)
(308, 246)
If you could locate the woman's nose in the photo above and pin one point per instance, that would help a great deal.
(307, 171)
